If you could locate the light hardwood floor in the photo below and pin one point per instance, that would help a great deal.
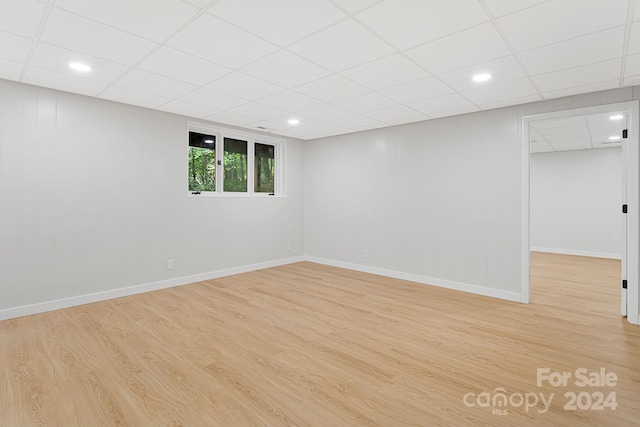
(311, 345)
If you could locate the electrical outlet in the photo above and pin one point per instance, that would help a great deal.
(170, 264)
(288, 246)
(365, 253)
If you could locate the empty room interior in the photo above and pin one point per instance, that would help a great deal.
(319, 212)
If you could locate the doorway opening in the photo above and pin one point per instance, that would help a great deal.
(580, 168)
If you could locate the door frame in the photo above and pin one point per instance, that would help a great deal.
(631, 168)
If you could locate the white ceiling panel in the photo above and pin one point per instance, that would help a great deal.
(10, 70)
(540, 147)
(136, 17)
(417, 90)
(213, 39)
(356, 64)
(182, 66)
(187, 109)
(584, 50)
(80, 34)
(280, 21)
(332, 88)
(390, 71)
(133, 97)
(342, 46)
(502, 70)
(21, 17)
(13, 47)
(364, 103)
(408, 23)
(212, 99)
(290, 101)
(285, 69)
(500, 92)
(57, 59)
(326, 112)
(145, 81)
(441, 103)
(579, 76)
(473, 46)
(47, 78)
(244, 86)
(353, 6)
(502, 7)
(326, 129)
(558, 20)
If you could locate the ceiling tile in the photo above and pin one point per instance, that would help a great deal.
(182, 66)
(187, 109)
(132, 96)
(331, 88)
(473, 46)
(454, 112)
(358, 122)
(10, 70)
(571, 144)
(342, 46)
(257, 111)
(511, 101)
(152, 19)
(326, 129)
(21, 17)
(502, 70)
(285, 69)
(198, 3)
(365, 103)
(230, 118)
(212, 99)
(82, 35)
(579, 76)
(47, 78)
(289, 101)
(540, 147)
(575, 52)
(500, 92)
(399, 112)
(235, 48)
(244, 86)
(14, 48)
(353, 6)
(532, 28)
(408, 23)
(593, 87)
(326, 112)
(280, 21)
(57, 59)
(441, 103)
(390, 71)
(502, 7)
(144, 81)
(634, 40)
(417, 90)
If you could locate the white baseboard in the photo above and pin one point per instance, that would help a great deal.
(577, 252)
(26, 310)
(464, 287)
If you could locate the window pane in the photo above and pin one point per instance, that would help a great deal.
(235, 165)
(202, 162)
(264, 166)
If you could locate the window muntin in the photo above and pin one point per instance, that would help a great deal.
(202, 162)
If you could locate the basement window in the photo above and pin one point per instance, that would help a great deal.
(225, 162)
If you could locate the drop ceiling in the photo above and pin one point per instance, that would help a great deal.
(339, 66)
(578, 133)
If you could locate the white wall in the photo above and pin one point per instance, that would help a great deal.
(576, 199)
(436, 202)
(93, 198)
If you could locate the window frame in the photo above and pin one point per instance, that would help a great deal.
(280, 158)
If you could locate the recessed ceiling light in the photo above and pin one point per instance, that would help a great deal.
(482, 77)
(78, 66)
(613, 138)
(208, 141)
(616, 117)
(294, 122)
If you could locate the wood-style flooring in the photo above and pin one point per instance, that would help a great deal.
(312, 345)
